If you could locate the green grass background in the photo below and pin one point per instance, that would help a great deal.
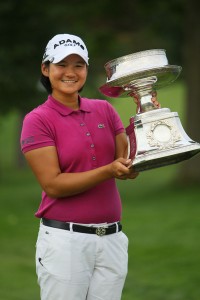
(160, 218)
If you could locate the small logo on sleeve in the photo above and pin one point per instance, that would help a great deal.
(28, 140)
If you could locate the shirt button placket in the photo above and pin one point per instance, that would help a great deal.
(92, 148)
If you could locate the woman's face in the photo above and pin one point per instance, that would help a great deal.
(67, 77)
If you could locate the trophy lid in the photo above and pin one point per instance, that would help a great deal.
(123, 70)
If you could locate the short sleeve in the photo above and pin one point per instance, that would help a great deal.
(36, 133)
(117, 122)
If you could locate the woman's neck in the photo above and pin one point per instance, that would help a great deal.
(71, 101)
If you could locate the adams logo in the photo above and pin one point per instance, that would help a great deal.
(69, 42)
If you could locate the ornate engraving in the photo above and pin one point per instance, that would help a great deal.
(163, 134)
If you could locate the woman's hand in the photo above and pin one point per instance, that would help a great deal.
(154, 100)
(120, 169)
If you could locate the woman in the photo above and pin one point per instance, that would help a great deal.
(76, 147)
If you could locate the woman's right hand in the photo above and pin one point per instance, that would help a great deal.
(120, 169)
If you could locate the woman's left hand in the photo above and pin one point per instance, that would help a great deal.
(154, 100)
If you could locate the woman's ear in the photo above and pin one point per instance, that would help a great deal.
(45, 70)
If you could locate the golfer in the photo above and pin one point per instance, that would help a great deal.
(77, 147)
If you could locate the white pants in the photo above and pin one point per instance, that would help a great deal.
(80, 266)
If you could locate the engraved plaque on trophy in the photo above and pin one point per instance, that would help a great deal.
(155, 135)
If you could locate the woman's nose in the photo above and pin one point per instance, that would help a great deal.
(69, 71)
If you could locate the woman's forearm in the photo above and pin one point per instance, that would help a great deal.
(69, 184)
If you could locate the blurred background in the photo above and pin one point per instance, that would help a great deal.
(161, 208)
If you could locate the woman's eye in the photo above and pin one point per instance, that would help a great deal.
(60, 64)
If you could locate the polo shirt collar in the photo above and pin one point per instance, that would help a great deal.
(64, 110)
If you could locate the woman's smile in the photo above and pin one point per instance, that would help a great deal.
(68, 81)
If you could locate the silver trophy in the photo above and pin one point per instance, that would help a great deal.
(155, 135)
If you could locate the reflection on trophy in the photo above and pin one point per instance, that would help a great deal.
(155, 135)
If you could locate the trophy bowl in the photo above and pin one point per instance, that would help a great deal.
(155, 135)
(123, 71)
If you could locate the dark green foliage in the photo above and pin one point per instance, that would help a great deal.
(109, 29)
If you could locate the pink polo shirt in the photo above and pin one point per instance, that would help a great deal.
(85, 140)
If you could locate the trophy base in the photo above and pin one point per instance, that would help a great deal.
(157, 138)
(156, 160)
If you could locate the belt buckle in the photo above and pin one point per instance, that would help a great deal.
(100, 231)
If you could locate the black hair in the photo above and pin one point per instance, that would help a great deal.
(45, 80)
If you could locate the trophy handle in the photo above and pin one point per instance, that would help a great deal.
(132, 145)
